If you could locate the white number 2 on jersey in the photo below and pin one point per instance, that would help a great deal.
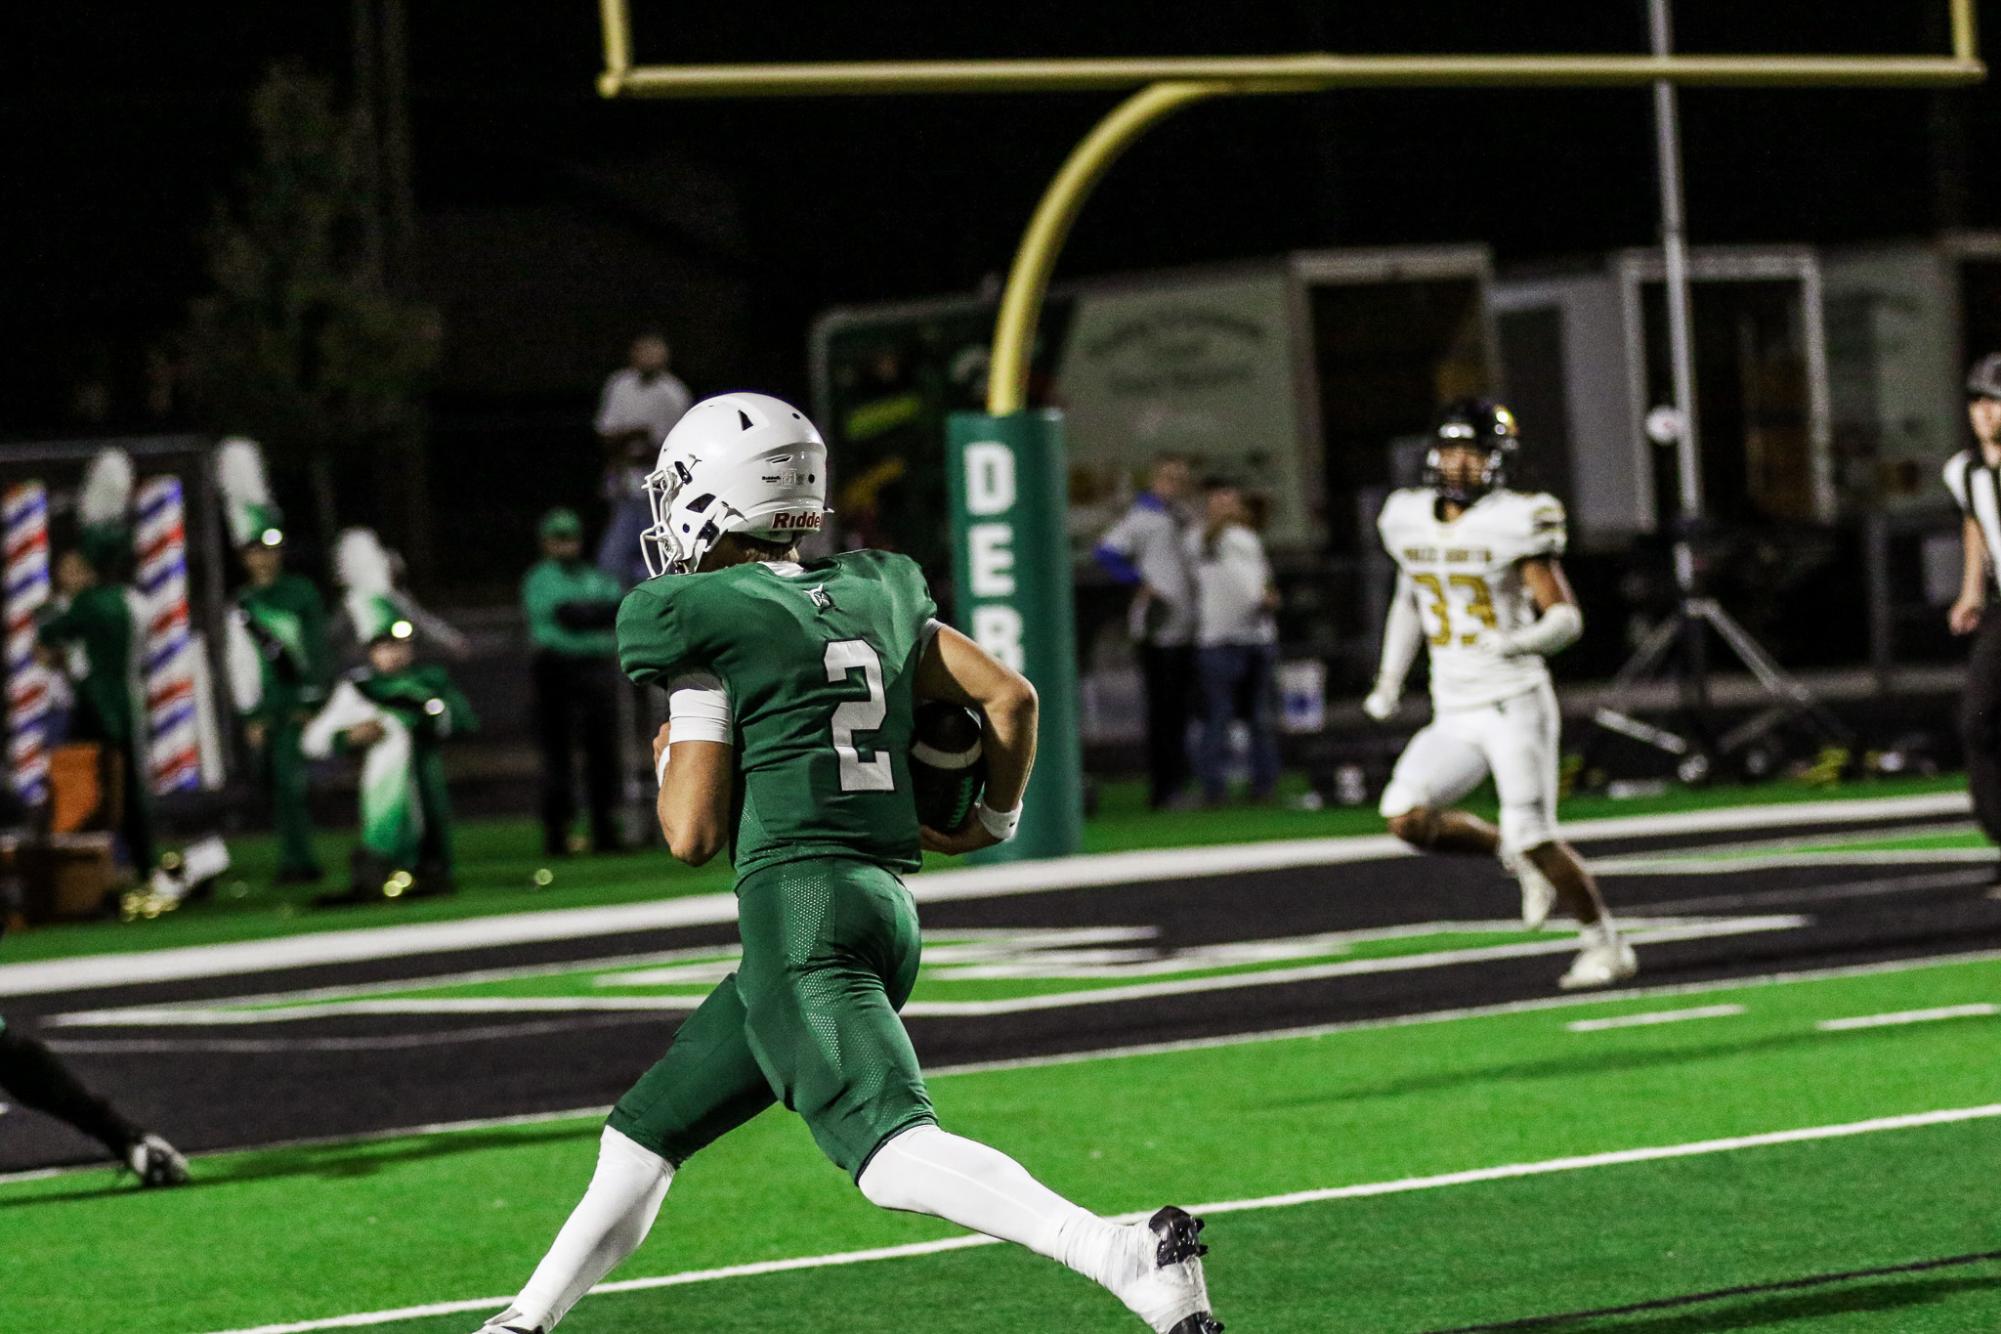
(859, 715)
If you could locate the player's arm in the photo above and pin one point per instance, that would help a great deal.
(1964, 618)
(695, 757)
(1403, 632)
(954, 668)
(1558, 623)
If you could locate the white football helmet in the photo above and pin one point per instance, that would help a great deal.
(735, 463)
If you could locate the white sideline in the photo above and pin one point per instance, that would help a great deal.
(1404, 1185)
(1059, 873)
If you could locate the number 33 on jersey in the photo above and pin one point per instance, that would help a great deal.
(819, 662)
(1466, 579)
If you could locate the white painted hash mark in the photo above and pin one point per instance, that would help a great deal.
(1505, 1172)
(1652, 1017)
(1977, 1010)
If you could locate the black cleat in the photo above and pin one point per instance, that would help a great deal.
(1167, 1289)
(1180, 1236)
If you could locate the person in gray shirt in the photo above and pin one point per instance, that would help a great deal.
(1147, 551)
(1236, 641)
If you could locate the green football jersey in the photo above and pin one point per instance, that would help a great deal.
(819, 662)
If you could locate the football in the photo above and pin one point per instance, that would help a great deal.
(947, 770)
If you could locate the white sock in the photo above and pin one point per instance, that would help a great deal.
(1604, 931)
(607, 1225)
(926, 1170)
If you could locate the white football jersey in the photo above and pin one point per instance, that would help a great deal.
(1467, 579)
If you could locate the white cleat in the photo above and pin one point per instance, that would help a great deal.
(510, 1321)
(1602, 963)
(156, 1162)
(1538, 894)
(1162, 1283)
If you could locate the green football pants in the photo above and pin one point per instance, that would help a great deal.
(286, 775)
(809, 1019)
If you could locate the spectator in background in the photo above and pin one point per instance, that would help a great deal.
(571, 607)
(1147, 551)
(1236, 655)
(639, 405)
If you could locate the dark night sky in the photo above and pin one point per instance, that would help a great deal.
(123, 121)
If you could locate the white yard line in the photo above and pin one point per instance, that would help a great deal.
(1060, 873)
(1639, 931)
(1364, 1190)
(1653, 1017)
(1902, 1017)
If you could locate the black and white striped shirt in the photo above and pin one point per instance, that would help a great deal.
(1978, 490)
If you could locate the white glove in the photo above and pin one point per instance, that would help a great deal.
(1382, 702)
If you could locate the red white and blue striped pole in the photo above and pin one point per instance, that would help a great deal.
(168, 668)
(26, 509)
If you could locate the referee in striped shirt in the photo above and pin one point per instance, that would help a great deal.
(1972, 476)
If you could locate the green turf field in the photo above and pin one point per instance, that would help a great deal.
(310, 1234)
(500, 861)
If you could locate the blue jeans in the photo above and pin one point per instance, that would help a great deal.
(618, 549)
(1238, 679)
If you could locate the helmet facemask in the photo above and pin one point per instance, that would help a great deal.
(1493, 471)
(660, 546)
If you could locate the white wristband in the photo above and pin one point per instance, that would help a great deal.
(1001, 824)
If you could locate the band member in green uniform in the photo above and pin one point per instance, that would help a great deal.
(94, 632)
(397, 713)
(278, 653)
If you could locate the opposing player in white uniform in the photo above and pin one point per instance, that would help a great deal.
(1480, 584)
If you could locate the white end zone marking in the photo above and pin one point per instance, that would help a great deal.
(1640, 931)
(1653, 1017)
(1060, 873)
(1975, 1011)
(1364, 1190)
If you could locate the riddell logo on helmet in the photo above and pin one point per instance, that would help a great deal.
(805, 522)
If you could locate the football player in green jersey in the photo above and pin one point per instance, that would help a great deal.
(791, 694)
